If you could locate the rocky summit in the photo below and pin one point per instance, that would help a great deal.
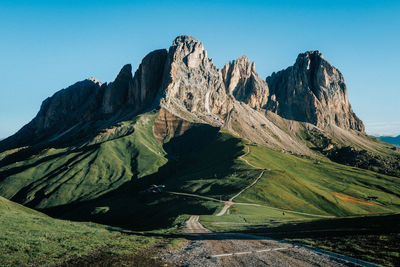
(242, 81)
(313, 91)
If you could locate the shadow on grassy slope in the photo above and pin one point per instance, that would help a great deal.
(209, 167)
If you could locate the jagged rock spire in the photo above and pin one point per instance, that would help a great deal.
(193, 85)
(313, 91)
(242, 81)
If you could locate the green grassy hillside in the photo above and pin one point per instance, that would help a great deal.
(103, 182)
(302, 189)
(320, 187)
(311, 189)
(32, 238)
(62, 176)
(211, 169)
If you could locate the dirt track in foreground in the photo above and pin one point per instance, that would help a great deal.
(230, 249)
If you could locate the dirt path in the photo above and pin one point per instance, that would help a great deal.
(193, 226)
(231, 249)
(229, 203)
(245, 160)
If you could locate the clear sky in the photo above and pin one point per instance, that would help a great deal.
(48, 45)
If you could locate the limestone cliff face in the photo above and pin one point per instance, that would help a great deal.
(148, 79)
(135, 92)
(115, 95)
(193, 84)
(242, 81)
(313, 91)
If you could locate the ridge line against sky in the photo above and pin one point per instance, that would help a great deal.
(49, 45)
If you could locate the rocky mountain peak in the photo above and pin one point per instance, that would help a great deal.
(242, 81)
(313, 91)
(116, 93)
(185, 39)
(124, 74)
(124, 77)
(148, 79)
(193, 84)
(189, 50)
(314, 54)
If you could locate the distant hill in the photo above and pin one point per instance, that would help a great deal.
(390, 139)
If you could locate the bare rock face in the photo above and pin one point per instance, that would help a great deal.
(115, 95)
(192, 83)
(74, 103)
(313, 91)
(242, 81)
(168, 126)
(148, 79)
(136, 92)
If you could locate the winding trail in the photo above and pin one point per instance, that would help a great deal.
(245, 160)
(193, 226)
(229, 203)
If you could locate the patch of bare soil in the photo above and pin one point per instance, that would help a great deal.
(350, 199)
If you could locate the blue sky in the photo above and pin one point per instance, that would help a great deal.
(48, 45)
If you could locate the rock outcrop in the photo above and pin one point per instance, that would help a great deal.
(313, 91)
(136, 92)
(193, 84)
(242, 81)
(168, 126)
(198, 92)
(148, 79)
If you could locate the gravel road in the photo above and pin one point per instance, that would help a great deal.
(206, 248)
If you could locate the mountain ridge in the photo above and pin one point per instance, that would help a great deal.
(320, 85)
(184, 81)
(308, 97)
(92, 139)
